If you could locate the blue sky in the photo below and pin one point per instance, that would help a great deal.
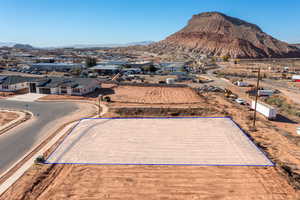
(67, 22)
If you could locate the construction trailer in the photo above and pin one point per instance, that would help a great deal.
(265, 109)
(265, 92)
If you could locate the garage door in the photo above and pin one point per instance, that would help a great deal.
(45, 91)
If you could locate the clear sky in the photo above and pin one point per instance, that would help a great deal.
(67, 22)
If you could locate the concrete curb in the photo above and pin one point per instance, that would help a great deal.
(21, 170)
(26, 116)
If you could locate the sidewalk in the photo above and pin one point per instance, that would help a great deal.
(19, 172)
(12, 179)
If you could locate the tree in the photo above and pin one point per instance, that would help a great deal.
(225, 58)
(149, 68)
(75, 72)
(236, 61)
(182, 69)
(90, 62)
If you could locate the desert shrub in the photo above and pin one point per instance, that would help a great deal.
(226, 58)
(276, 101)
(284, 106)
(39, 160)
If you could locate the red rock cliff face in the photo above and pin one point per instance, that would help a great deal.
(216, 34)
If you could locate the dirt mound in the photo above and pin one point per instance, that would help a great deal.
(166, 112)
(217, 34)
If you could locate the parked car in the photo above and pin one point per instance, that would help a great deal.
(240, 101)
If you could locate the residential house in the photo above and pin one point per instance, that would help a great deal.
(68, 86)
(49, 85)
(14, 83)
(56, 66)
(172, 67)
(106, 69)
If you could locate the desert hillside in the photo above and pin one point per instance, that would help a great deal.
(217, 34)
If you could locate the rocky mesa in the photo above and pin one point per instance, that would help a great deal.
(217, 34)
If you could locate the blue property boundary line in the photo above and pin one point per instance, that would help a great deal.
(62, 141)
(208, 165)
(156, 118)
(252, 142)
(249, 139)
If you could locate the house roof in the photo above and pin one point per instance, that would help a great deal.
(173, 64)
(106, 67)
(131, 69)
(49, 82)
(68, 82)
(56, 65)
(11, 80)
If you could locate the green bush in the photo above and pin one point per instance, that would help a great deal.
(39, 160)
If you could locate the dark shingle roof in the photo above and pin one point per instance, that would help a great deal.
(49, 82)
(11, 80)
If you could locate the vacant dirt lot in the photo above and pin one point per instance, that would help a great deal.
(154, 95)
(151, 182)
(198, 141)
(6, 117)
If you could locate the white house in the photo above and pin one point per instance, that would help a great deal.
(14, 83)
(49, 85)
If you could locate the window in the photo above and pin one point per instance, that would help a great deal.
(76, 90)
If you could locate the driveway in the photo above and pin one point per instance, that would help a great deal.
(18, 141)
(29, 97)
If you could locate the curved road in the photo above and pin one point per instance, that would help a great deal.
(18, 141)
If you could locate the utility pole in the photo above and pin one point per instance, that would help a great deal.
(256, 98)
(99, 107)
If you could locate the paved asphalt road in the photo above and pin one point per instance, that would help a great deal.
(18, 141)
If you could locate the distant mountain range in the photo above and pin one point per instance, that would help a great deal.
(16, 45)
(83, 46)
(77, 46)
(7, 44)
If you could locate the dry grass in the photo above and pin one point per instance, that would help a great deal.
(6, 117)
(65, 97)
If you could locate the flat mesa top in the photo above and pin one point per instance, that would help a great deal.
(154, 141)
